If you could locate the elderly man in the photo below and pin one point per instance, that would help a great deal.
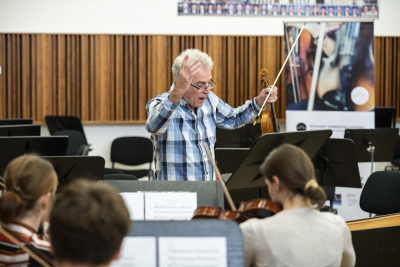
(184, 118)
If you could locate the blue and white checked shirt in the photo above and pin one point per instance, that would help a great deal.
(178, 133)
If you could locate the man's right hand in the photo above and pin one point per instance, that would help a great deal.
(186, 74)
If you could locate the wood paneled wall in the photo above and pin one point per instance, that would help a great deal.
(105, 78)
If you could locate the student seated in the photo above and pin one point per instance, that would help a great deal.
(87, 225)
(30, 187)
(299, 235)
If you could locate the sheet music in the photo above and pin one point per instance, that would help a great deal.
(192, 252)
(137, 252)
(134, 201)
(178, 206)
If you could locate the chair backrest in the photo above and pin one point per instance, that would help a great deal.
(381, 193)
(76, 144)
(397, 149)
(385, 117)
(132, 150)
(64, 123)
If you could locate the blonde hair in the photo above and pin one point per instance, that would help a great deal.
(26, 178)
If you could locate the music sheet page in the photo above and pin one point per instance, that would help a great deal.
(178, 206)
(137, 252)
(192, 251)
(134, 201)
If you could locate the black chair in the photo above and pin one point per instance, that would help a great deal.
(112, 171)
(385, 117)
(119, 177)
(133, 151)
(396, 157)
(381, 193)
(76, 144)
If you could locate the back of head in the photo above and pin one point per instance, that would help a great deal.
(87, 223)
(295, 171)
(27, 178)
(205, 60)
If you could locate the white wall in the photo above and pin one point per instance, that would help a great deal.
(147, 17)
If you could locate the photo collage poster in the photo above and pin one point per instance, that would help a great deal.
(300, 8)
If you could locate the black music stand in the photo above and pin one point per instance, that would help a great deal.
(20, 130)
(228, 159)
(248, 175)
(69, 168)
(62, 123)
(15, 121)
(241, 137)
(336, 165)
(13, 147)
(373, 144)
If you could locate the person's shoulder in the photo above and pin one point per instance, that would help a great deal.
(334, 218)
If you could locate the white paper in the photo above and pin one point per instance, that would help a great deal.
(134, 201)
(165, 206)
(137, 252)
(192, 251)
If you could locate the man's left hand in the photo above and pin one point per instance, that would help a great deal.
(271, 99)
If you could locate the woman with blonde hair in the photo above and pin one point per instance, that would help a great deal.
(299, 235)
(30, 183)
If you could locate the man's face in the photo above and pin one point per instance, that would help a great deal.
(373, 9)
(365, 9)
(323, 11)
(307, 9)
(255, 8)
(185, 6)
(354, 10)
(264, 8)
(239, 8)
(194, 7)
(196, 98)
(275, 9)
(339, 10)
(291, 9)
(248, 8)
(231, 7)
(283, 9)
(210, 8)
(219, 7)
(299, 9)
(331, 9)
(202, 7)
(346, 9)
(315, 10)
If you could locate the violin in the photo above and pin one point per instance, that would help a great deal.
(258, 208)
(276, 79)
(268, 119)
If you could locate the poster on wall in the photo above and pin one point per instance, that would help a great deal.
(276, 8)
(330, 76)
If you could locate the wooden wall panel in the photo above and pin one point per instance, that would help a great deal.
(105, 78)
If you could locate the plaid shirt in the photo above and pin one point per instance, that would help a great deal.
(178, 133)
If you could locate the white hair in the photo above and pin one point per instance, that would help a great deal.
(205, 60)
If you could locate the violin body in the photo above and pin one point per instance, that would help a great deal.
(269, 123)
(257, 208)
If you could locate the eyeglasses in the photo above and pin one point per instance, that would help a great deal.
(210, 85)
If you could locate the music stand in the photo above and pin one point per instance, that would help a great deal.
(373, 144)
(62, 123)
(228, 159)
(336, 165)
(69, 168)
(20, 130)
(15, 121)
(247, 175)
(241, 137)
(13, 147)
